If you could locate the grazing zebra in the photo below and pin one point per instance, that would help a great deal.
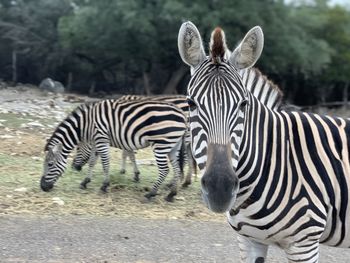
(128, 125)
(84, 149)
(282, 178)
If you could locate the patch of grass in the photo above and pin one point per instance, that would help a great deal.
(14, 121)
(125, 197)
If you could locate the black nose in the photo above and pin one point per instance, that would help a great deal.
(45, 186)
(219, 182)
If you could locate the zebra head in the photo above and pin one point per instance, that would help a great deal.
(82, 156)
(218, 102)
(54, 165)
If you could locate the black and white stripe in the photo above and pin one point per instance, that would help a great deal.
(128, 125)
(283, 177)
(84, 149)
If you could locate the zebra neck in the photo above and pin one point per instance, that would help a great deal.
(256, 148)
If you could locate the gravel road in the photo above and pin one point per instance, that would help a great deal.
(108, 239)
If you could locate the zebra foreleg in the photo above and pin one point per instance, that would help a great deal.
(102, 148)
(251, 251)
(92, 162)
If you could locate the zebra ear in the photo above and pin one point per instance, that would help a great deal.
(249, 50)
(190, 45)
(57, 148)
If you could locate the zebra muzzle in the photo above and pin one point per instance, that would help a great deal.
(219, 182)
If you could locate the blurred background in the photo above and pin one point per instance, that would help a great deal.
(130, 46)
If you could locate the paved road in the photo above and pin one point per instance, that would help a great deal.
(107, 239)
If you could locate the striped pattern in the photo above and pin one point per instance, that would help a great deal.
(84, 149)
(292, 168)
(128, 125)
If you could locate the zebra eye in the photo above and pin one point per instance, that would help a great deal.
(192, 105)
(243, 104)
(50, 164)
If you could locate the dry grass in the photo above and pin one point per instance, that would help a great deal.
(21, 160)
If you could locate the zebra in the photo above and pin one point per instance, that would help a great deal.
(281, 177)
(83, 155)
(128, 125)
(84, 149)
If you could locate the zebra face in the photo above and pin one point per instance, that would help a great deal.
(54, 165)
(82, 157)
(218, 103)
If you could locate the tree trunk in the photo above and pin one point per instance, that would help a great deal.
(92, 88)
(69, 81)
(174, 80)
(146, 84)
(14, 66)
(345, 94)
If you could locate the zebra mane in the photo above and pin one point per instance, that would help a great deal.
(262, 88)
(217, 45)
(70, 118)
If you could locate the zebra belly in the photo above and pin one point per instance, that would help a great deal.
(130, 146)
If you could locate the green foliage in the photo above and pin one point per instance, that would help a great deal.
(129, 46)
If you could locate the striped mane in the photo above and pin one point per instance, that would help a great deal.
(68, 121)
(262, 88)
(217, 45)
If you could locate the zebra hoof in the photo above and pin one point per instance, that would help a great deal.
(186, 184)
(149, 195)
(136, 179)
(170, 197)
(122, 171)
(104, 187)
(84, 183)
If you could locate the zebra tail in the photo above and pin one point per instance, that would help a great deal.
(182, 154)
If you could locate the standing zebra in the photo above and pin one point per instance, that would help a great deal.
(128, 125)
(282, 178)
(84, 149)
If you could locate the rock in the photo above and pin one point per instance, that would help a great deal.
(6, 136)
(57, 200)
(35, 124)
(21, 189)
(51, 85)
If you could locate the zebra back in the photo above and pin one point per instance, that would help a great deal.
(179, 100)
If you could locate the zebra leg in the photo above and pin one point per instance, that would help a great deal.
(251, 251)
(92, 161)
(163, 170)
(132, 158)
(174, 157)
(305, 252)
(124, 155)
(191, 168)
(102, 148)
